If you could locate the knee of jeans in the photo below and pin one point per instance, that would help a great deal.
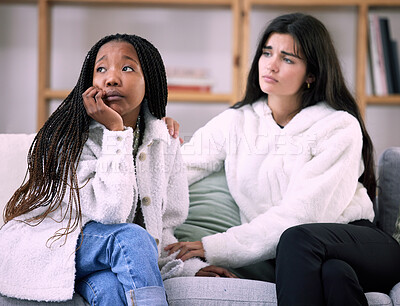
(137, 235)
(337, 270)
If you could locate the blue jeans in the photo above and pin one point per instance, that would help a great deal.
(117, 264)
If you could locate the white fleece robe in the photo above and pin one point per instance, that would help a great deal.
(32, 268)
(306, 172)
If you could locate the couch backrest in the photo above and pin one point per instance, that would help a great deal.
(13, 164)
(388, 189)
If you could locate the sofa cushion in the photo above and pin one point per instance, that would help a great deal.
(13, 164)
(77, 300)
(388, 189)
(212, 209)
(215, 291)
(395, 295)
(210, 291)
(378, 299)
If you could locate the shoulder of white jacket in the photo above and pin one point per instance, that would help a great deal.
(342, 118)
(155, 129)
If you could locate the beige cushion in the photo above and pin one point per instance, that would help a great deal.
(13, 164)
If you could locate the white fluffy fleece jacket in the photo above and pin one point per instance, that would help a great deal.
(31, 268)
(306, 172)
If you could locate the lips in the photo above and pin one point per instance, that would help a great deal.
(269, 79)
(112, 95)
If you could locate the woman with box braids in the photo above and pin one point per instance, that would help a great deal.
(57, 147)
(105, 189)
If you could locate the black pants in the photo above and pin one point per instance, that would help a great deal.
(334, 264)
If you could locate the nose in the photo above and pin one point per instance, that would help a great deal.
(272, 64)
(113, 78)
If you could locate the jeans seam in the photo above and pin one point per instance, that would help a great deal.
(126, 261)
(93, 290)
(133, 299)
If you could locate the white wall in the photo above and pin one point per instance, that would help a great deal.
(185, 37)
(18, 68)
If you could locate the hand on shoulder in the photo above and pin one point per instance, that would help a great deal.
(173, 127)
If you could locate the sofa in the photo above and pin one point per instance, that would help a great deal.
(188, 291)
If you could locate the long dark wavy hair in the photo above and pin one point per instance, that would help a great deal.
(54, 154)
(314, 41)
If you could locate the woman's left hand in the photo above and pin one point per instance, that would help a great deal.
(214, 271)
(187, 249)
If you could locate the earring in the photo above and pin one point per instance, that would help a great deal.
(308, 85)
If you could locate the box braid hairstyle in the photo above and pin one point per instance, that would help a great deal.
(54, 154)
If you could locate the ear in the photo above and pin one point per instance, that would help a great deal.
(310, 78)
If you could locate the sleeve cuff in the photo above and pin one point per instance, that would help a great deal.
(216, 250)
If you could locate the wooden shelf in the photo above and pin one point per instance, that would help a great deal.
(383, 100)
(200, 97)
(156, 2)
(305, 3)
(301, 3)
(18, 1)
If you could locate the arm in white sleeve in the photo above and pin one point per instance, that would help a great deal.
(106, 177)
(319, 190)
(175, 212)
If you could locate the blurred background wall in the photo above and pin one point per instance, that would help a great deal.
(188, 38)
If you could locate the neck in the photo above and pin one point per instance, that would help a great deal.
(283, 110)
(131, 118)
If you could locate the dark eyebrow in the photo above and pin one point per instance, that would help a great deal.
(130, 58)
(290, 54)
(101, 58)
(283, 52)
(124, 56)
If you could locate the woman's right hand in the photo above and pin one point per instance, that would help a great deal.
(99, 111)
(173, 127)
(187, 249)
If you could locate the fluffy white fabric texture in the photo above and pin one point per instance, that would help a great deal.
(306, 172)
(34, 268)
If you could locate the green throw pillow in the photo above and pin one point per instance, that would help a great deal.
(212, 209)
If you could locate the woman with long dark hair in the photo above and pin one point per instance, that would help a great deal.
(299, 164)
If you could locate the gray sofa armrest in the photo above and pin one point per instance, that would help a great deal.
(395, 295)
(388, 189)
(77, 300)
